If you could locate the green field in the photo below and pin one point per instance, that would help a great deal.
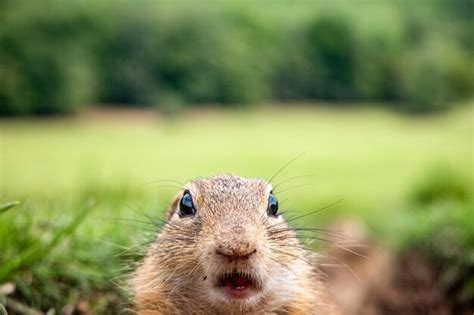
(96, 171)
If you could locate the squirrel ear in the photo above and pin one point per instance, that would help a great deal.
(174, 205)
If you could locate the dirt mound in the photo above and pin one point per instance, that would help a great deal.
(376, 282)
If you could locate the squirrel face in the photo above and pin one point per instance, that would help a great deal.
(226, 231)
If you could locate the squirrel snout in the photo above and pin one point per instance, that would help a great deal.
(237, 253)
(235, 243)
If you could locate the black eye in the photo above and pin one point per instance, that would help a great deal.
(272, 208)
(186, 206)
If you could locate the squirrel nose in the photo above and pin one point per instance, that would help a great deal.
(236, 245)
(236, 253)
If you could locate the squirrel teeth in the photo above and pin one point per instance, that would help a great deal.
(237, 281)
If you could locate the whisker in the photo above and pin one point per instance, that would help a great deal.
(324, 255)
(140, 211)
(283, 201)
(351, 251)
(291, 179)
(304, 237)
(167, 186)
(128, 250)
(283, 264)
(163, 181)
(113, 244)
(310, 230)
(293, 187)
(161, 223)
(349, 268)
(283, 167)
(308, 214)
(127, 219)
(312, 264)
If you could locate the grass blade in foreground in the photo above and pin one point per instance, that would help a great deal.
(8, 206)
(35, 253)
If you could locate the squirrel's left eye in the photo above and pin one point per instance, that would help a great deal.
(272, 208)
(186, 205)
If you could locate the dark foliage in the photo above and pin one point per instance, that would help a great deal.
(56, 57)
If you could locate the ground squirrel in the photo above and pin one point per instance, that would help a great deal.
(225, 249)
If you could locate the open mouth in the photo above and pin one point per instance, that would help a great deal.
(237, 284)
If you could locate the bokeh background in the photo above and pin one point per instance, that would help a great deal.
(107, 107)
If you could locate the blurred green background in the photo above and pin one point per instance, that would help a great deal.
(59, 56)
(106, 104)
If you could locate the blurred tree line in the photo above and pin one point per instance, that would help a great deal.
(59, 56)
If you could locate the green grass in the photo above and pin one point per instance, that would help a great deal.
(79, 181)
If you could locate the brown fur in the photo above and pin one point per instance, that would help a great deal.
(179, 272)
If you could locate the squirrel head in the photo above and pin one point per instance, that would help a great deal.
(226, 233)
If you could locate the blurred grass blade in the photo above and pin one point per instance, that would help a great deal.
(8, 206)
(35, 253)
(19, 308)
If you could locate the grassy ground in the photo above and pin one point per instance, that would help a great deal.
(82, 181)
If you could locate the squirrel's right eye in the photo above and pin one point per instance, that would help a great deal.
(186, 205)
(272, 208)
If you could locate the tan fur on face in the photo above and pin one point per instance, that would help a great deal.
(179, 274)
